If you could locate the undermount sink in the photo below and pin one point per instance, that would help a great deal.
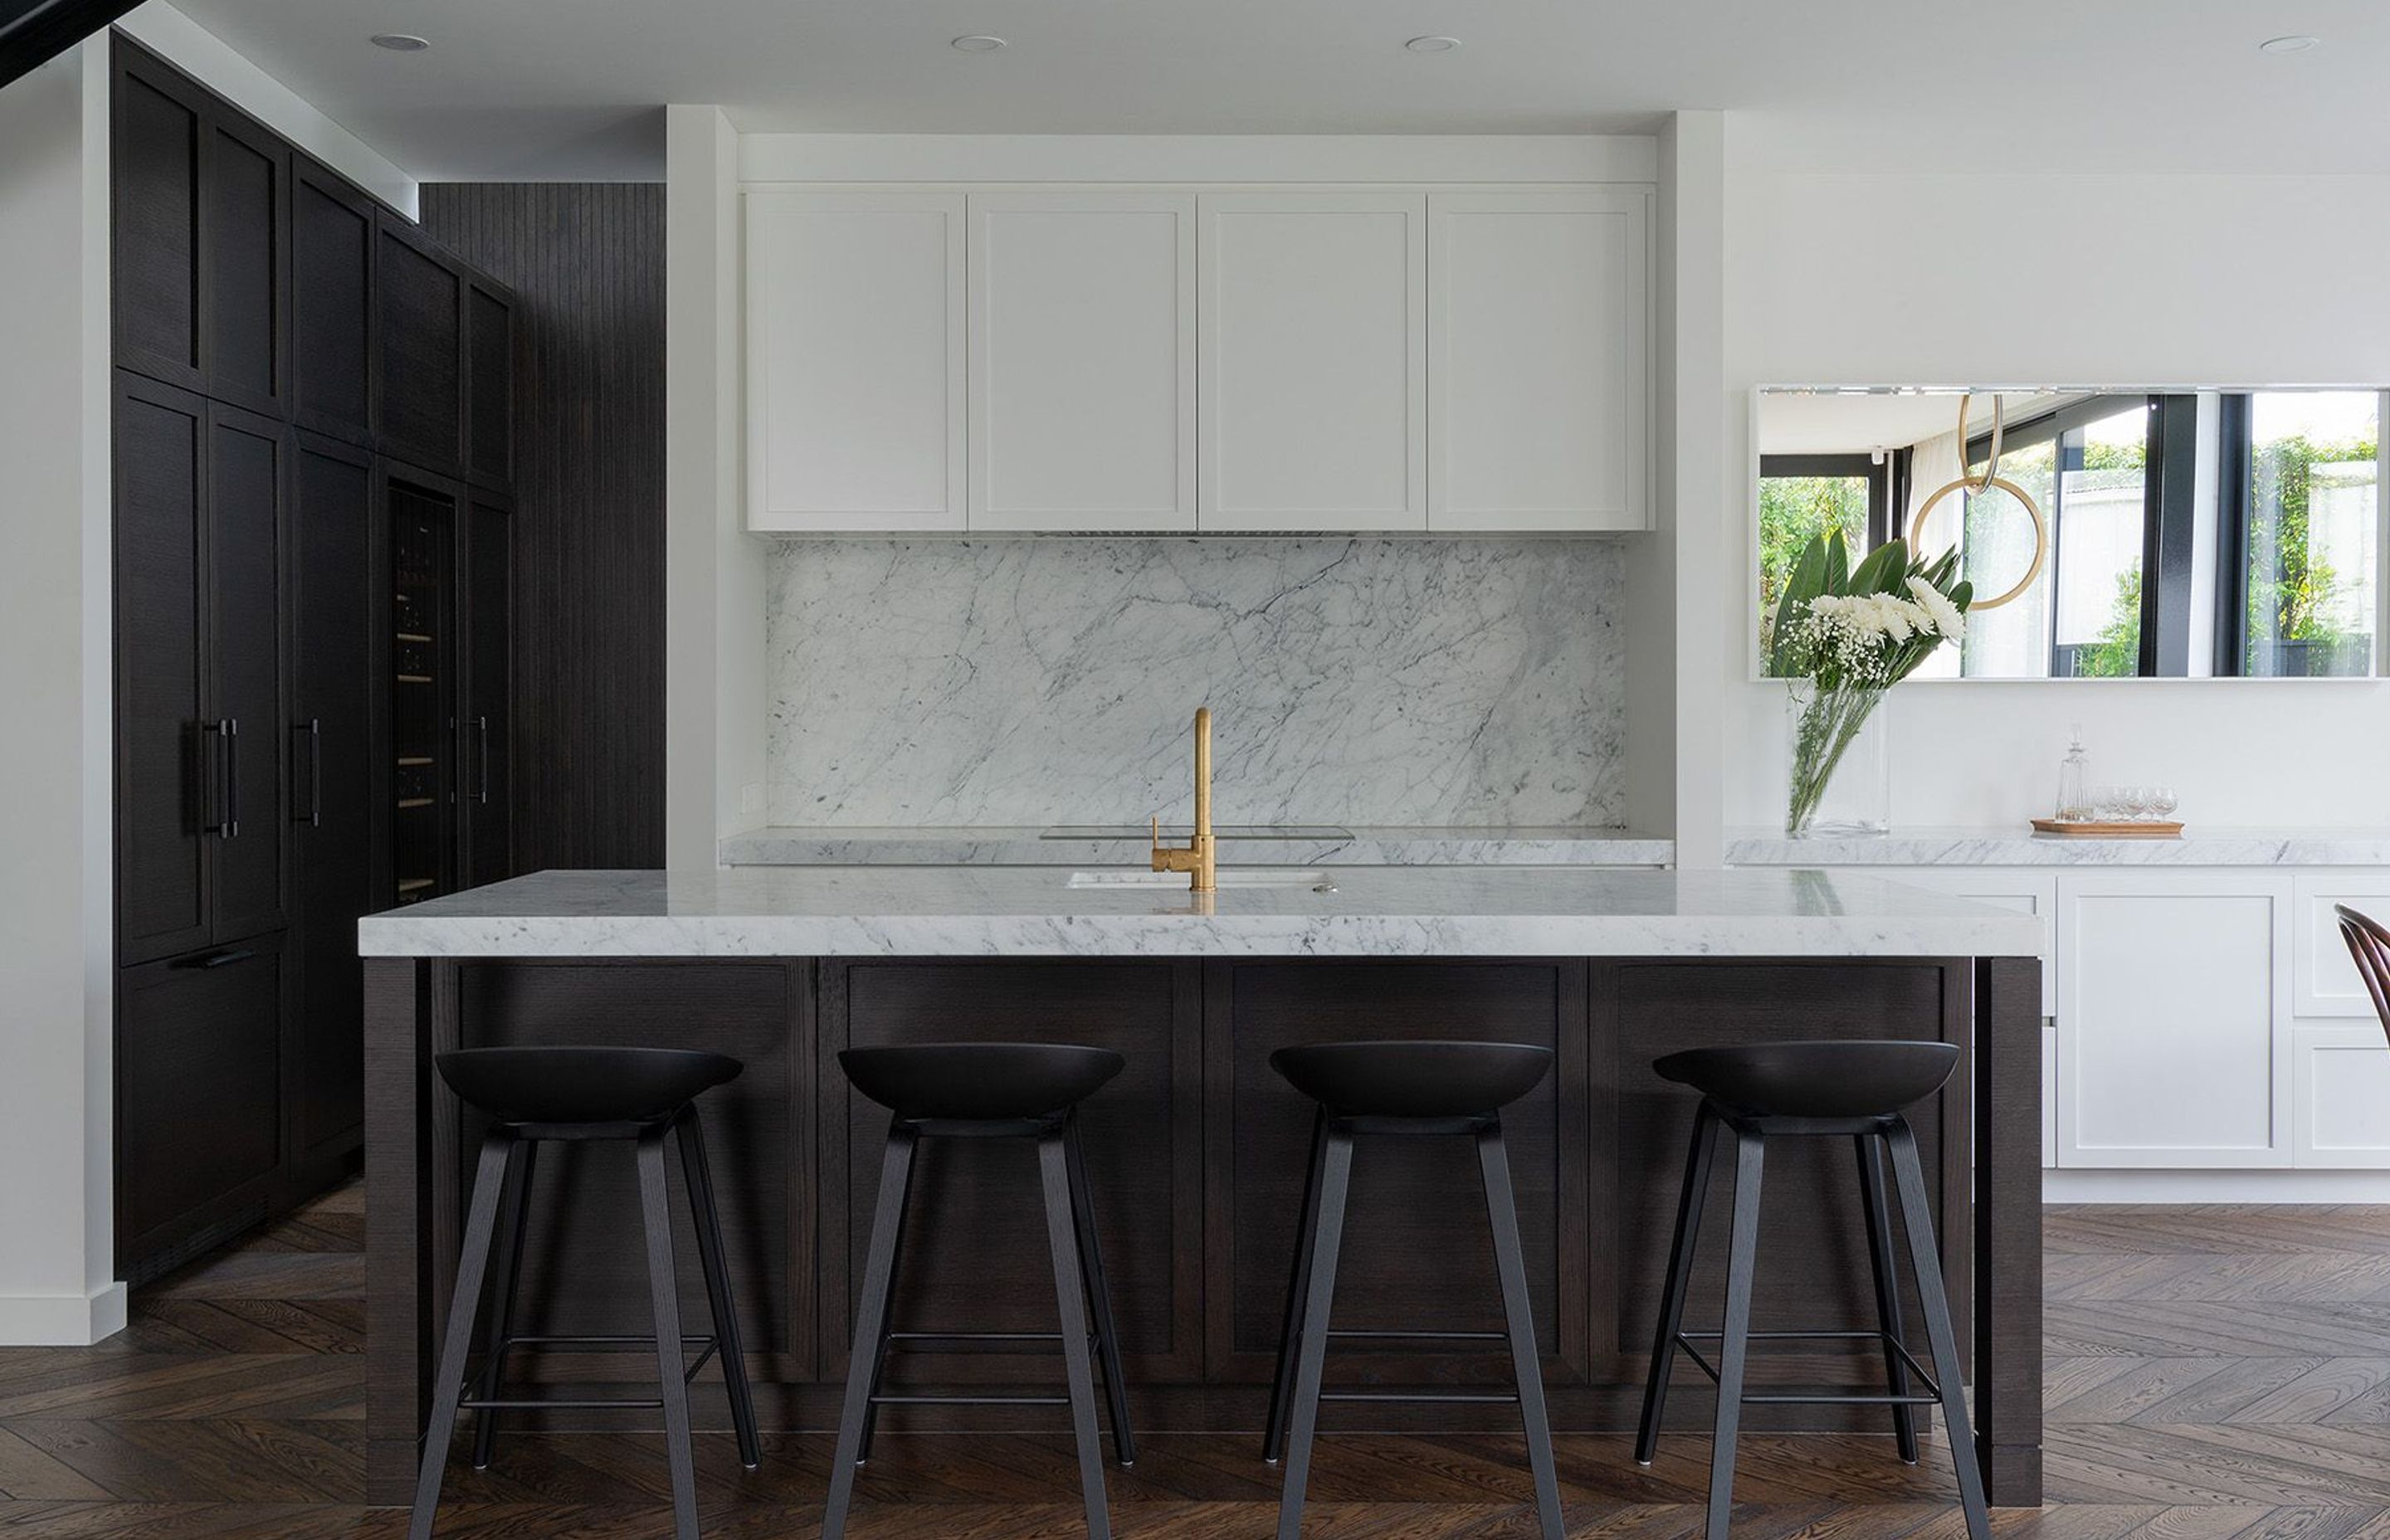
(1230, 877)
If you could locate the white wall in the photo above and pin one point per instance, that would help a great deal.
(1859, 278)
(56, 899)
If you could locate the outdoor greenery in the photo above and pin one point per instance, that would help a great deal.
(1793, 510)
(2292, 588)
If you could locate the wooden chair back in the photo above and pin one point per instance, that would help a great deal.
(2369, 943)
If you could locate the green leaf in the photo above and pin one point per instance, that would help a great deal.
(1803, 583)
(1838, 565)
(1882, 572)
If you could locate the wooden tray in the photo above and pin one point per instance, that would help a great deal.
(2079, 828)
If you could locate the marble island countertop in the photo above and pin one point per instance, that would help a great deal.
(1389, 911)
(2018, 846)
(1304, 845)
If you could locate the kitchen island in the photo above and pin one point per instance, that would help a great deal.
(1197, 1150)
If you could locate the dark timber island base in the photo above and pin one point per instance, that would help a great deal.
(1197, 1157)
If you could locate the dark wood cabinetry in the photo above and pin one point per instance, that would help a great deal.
(284, 344)
(198, 1093)
(419, 360)
(331, 303)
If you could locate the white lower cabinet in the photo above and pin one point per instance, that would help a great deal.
(2342, 1095)
(2174, 1019)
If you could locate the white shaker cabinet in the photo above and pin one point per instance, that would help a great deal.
(1082, 361)
(855, 361)
(1313, 318)
(2174, 1019)
(1539, 361)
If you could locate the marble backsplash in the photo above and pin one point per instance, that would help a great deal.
(1351, 681)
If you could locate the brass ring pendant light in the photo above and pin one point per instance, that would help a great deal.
(1990, 479)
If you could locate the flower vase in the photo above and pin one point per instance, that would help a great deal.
(1841, 780)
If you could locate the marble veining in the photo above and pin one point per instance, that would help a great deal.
(1032, 682)
(1387, 911)
(2012, 847)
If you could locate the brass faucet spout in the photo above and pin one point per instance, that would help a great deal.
(1198, 858)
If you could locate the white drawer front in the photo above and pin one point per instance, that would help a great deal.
(2324, 978)
(2344, 1094)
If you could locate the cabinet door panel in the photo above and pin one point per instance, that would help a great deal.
(158, 132)
(489, 383)
(2343, 1084)
(331, 264)
(855, 309)
(2174, 1024)
(245, 563)
(332, 774)
(161, 686)
(418, 388)
(488, 720)
(1312, 361)
(2323, 973)
(241, 291)
(1083, 361)
(198, 1103)
(1539, 304)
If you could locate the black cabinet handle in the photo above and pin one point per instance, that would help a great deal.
(314, 731)
(232, 777)
(483, 724)
(217, 960)
(222, 731)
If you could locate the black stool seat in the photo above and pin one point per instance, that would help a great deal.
(979, 1081)
(1413, 1079)
(1815, 1080)
(583, 1084)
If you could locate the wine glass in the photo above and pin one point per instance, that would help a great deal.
(2163, 802)
(2107, 803)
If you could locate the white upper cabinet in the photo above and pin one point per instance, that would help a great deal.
(1538, 324)
(1082, 361)
(1313, 361)
(855, 361)
(1160, 358)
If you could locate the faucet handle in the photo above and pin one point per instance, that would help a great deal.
(1157, 831)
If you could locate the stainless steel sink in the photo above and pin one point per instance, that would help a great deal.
(1127, 879)
(1224, 832)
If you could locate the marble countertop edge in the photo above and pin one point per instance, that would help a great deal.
(2020, 846)
(1030, 845)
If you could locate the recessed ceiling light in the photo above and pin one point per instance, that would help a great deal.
(1434, 45)
(979, 42)
(2296, 43)
(400, 42)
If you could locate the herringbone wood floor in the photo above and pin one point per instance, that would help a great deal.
(2213, 1372)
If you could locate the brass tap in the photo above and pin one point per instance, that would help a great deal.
(1199, 859)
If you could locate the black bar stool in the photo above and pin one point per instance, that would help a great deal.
(578, 1093)
(1855, 1090)
(1402, 1089)
(1003, 1091)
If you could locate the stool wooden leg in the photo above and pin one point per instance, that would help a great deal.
(1070, 1299)
(1742, 1261)
(1887, 1290)
(1502, 1212)
(887, 1324)
(512, 1223)
(448, 1389)
(1099, 1300)
(871, 1324)
(1918, 1220)
(732, 1351)
(1680, 1270)
(1282, 1381)
(1311, 1344)
(663, 1293)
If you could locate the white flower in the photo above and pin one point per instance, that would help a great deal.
(1945, 617)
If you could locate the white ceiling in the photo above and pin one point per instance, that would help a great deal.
(572, 88)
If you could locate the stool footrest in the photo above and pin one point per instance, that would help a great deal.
(593, 1344)
(970, 1400)
(1473, 1398)
(1423, 1336)
(565, 1403)
(1685, 1341)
